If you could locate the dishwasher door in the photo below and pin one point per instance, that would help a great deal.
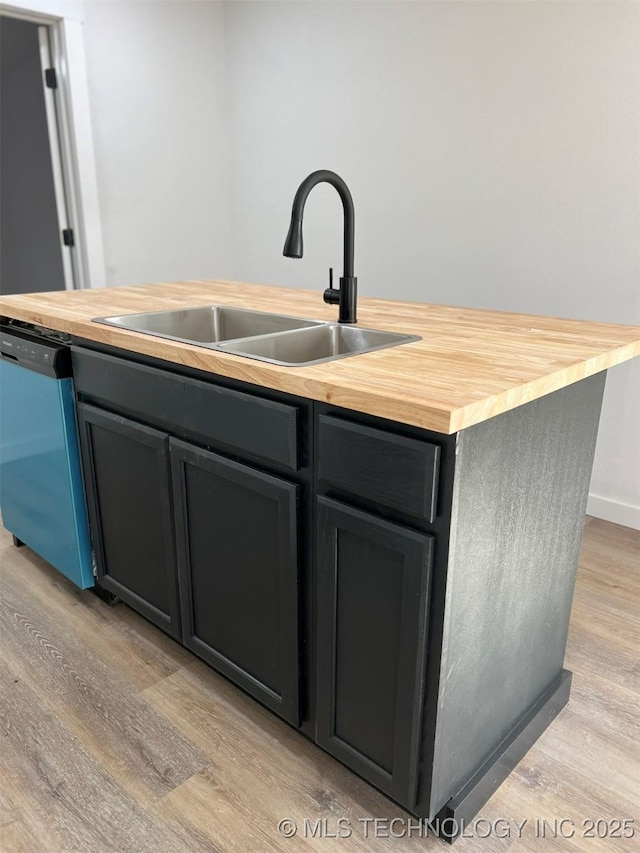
(41, 493)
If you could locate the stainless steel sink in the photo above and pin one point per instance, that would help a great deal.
(276, 338)
(315, 345)
(207, 324)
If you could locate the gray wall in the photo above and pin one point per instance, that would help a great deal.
(492, 150)
(30, 254)
(156, 81)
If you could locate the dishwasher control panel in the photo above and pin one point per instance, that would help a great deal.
(35, 351)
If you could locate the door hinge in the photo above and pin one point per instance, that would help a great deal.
(67, 237)
(51, 78)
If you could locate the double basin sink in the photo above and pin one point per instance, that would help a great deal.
(276, 338)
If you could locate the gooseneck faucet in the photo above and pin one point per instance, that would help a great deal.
(346, 296)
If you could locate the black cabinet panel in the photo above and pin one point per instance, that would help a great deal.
(368, 594)
(373, 589)
(238, 567)
(126, 470)
(381, 467)
(258, 428)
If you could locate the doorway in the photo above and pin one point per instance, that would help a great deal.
(36, 243)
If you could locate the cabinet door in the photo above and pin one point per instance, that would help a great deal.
(238, 568)
(126, 470)
(373, 588)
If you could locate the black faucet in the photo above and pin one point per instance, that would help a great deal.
(346, 296)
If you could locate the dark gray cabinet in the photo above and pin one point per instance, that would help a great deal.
(126, 468)
(402, 596)
(388, 473)
(373, 591)
(204, 545)
(263, 430)
(238, 566)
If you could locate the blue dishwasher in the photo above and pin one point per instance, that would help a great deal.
(41, 493)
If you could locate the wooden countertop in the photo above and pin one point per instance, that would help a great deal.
(470, 365)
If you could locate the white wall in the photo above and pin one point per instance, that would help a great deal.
(156, 78)
(53, 9)
(492, 151)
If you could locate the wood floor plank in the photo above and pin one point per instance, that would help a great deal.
(8, 812)
(615, 579)
(240, 825)
(143, 652)
(610, 561)
(610, 709)
(546, 789)
(606, 618)
(16, 838)
(589, 652)
(616, 545)
(262, 770)
(203, 804)
(61, 793)
(591, 755)
(94, 697)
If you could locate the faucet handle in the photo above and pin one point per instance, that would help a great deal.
(331, 295)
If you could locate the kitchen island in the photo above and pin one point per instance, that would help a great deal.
(381, 549)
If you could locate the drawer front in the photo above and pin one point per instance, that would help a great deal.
(380, 467)
(207, 413)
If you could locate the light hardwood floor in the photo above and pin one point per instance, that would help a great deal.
(114, 738)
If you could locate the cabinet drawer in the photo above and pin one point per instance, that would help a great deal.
(205, 412)
(381, 467)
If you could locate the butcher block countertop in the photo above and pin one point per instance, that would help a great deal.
(470, 365)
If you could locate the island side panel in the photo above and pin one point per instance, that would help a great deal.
(520, 494)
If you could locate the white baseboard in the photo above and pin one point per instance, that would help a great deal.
(615, 511)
